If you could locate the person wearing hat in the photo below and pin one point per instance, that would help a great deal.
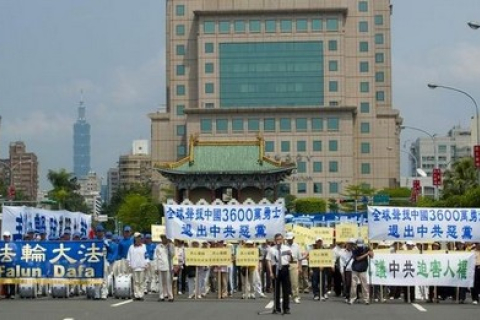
(191, 274)
(30, 235)
(346, 261)
(248, 275)
(138, 263)
(319, 292)
(100, 236)
(204, 274)
(112, 251)
(295, 265)
(360, 257)
(9, 289)
(43, 234)
(121, 266)
(163, 257)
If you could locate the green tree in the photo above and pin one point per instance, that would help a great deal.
(333, 205)
(290, 202)
(356, 192)
(64, 191)
(310, 205)
(139, 212)
(460, 178)
(398, 196)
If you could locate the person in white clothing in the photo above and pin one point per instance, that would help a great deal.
(346, 267)
(138, 263)
(295, 265)
(163, 257)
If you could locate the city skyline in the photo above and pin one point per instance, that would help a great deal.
(118, 59)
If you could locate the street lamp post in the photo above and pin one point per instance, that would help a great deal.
(473, 24)
(435, 155)
(477, 125)
(414, 160)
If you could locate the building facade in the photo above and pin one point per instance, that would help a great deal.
(136, 167)
(22, 171)
(90, 187)
(312, 78)
(112, 183)
(81, 144)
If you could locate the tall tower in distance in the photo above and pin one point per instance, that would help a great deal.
(81, 142)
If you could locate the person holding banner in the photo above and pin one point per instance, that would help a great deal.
(295, 265)
(103, 288)
(138, 263)
(279, 260)
(191, 274)
(248, 274)
(318, 284)
(204, 275)
(360, 258)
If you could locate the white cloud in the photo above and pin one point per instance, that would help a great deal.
(38, 124)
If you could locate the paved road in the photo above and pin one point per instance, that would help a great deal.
(231, 309)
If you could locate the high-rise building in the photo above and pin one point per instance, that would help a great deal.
(312, 78)
(22, 171)
(136, 167)
(90, 186)
(81, 143)
(112, 183)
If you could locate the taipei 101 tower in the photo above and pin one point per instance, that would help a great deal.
(81, 143)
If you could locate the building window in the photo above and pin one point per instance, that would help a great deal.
(363, 6)
(333, 166)
(209, 27)
(285, 146)
(317, 124)
(301, 167)
(209, 67)
(180, 30)
(442, 148)
(380, 96)
(365, 127)
(364, 87)
(270, 26)
(363, 46)
(181, 151)
(333, 187)
(379, 76)
(317, 25)
(301, 124)
(209, 88)
(269, 125)
(378, 20)
(209, 105)
(302, 25)
(301, 188)
(364, 107)
(180, 90)
(333, 124)
(224, 27)
(332, 24)
(286, 26)
(237, 125)
(283, 189)
(332, 145)
(332, 45)
(222, 125)
(180, 10)
(180, 70)
(317, 145)
(364, 66)
(317, 187)
(365, 168)
(333, 65)
(363, 26)
(206, 125)
(301, 146)
(379, 58)
(333, 86)
(317, 166)
(181, 130)
(254, 26)
(285, 125)
(365, 147)
(208, 47)
(269, 146)
(180, 110)
(180, 50)
(239, 26)
(253, 125)
(379, 38)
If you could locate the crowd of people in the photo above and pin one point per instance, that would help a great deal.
(283, 270)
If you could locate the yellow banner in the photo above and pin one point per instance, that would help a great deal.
(197, 257)
(303, 236)
(345, 231)
(220, 256)
(364, 233)
(247, 257)
(325, 233)
(321, 258)
(157, 231)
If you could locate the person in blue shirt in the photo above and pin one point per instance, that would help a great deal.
(100, 235)
(123, 246)
(112, 251)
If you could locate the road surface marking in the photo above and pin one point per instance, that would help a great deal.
(419, 307)
(121, 303)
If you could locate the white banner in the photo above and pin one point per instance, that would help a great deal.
(437, 224)
(224, 222)
(18, 220)
(450, 270)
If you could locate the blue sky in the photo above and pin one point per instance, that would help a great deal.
(114, 51)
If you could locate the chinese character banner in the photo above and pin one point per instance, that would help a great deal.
(224, 222)
(436, 224)
(72, 260)
(17, 220)
(450, 270)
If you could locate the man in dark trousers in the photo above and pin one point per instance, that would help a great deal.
(279, 259)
